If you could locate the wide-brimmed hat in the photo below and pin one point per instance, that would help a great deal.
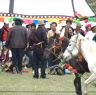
(18, 19)
(41, 22)
(31, 24)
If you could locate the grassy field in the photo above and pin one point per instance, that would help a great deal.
(15, 84)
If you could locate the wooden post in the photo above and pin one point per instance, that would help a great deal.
(74, 11)
(11, 6)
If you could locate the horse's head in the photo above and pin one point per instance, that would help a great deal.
(73, 48)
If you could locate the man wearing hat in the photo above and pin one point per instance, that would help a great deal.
(91, 35)
(30, 27)
(29, 52)
(79, 30)
(39, 45)
(17, 42)
(87, 28)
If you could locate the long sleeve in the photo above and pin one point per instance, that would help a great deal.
(45, 37)
(26, 38)
(8, 39)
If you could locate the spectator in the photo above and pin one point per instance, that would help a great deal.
(4, 32)
(17, 42)
(53, 38)
(87, 28)
(38, 42)
(79, 30)
(29, 51)
(91, 33)
(67, 30)
(53, 33)
(29, 28)
(94, 30)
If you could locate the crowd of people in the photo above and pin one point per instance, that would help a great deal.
(33, 41)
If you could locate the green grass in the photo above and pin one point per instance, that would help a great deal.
(25, 85)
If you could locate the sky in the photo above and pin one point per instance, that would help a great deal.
(47, 7)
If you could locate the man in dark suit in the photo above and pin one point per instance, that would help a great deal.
(17, 42)
(39, 42)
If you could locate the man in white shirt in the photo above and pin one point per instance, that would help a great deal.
(53, 37)
(91, 33)
(53, 30)
(67, 30)
(53, 34)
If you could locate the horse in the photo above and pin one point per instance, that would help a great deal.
(76, 66)
(62, 47)
(78, 44)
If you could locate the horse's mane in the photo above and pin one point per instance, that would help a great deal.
(91, 42)
(90, 45)
(81, 37)
(73, 38)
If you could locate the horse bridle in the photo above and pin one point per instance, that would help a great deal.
(70, 52)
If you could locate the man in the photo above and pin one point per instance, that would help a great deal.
(4, 32)
(17, 42)
(29, 52)
(94, 30)
(29, 28)
(53, 38)
(91, 34)
(79, 30)
(87, 28)
(67, 30)
(53, 33)
(38, 42)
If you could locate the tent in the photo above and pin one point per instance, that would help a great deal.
(48, 7)
(47, 10)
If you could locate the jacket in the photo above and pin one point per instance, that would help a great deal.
(36, 37)
(17, 37)
(4, 32)
(42, 35)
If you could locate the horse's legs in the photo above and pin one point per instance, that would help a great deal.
(77, 84)
(89, 80)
